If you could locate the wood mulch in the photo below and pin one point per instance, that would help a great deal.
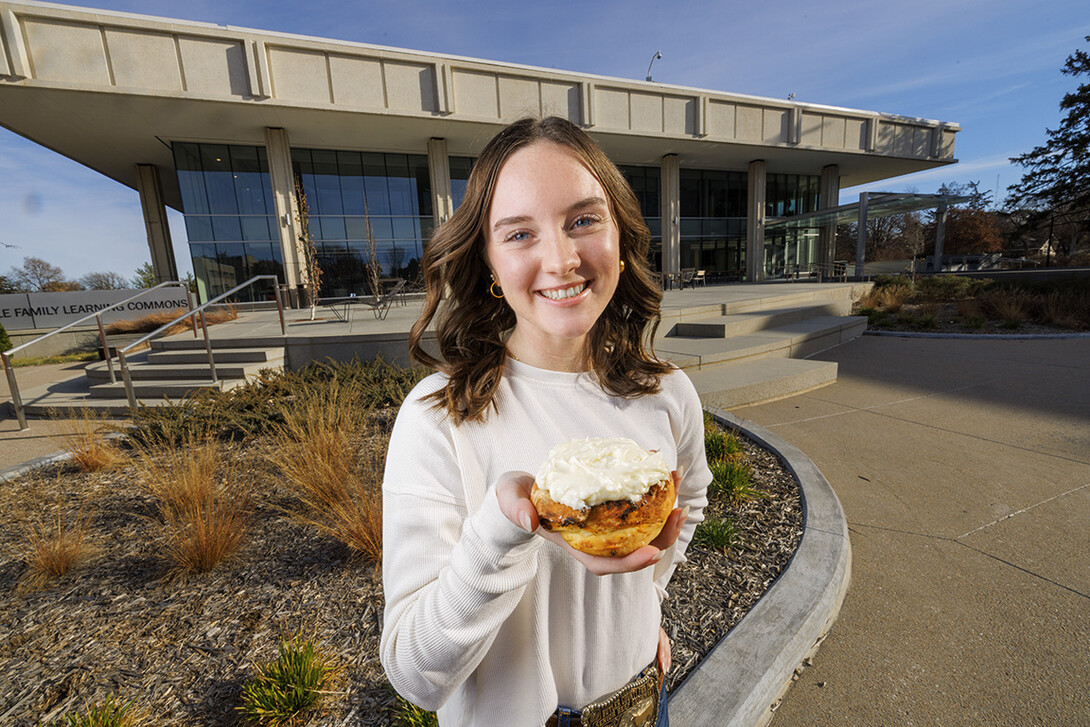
(182, 648)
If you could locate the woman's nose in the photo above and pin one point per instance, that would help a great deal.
(561, 253)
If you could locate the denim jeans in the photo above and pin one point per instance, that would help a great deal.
(664, 718)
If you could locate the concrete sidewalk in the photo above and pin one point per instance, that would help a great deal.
(964, 471)
(45, 436)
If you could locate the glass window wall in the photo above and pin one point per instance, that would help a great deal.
(646, 183)
(230, 216)
(790, 253)
(713, 222)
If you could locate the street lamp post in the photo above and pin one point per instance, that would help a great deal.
(658, 54)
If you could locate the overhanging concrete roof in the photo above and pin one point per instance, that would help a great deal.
(112, 90)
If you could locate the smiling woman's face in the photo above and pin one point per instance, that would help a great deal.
(554, 248)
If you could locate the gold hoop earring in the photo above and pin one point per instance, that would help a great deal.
(493, 288)
(622, 266)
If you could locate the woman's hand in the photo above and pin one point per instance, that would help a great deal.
(662, 658)
(513, 493)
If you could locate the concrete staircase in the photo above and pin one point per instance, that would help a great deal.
(176, 367)
(755, 351)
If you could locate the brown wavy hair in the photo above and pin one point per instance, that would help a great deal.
(471, 326)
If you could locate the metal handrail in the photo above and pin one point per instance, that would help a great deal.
(17, 400)
(122, 352)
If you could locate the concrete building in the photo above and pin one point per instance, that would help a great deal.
(224, 124)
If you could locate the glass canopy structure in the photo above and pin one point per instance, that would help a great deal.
(799, 231)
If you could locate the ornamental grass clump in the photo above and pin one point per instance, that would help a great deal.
(720, 446)
(1009, 306)
(55, 545)
(715, 533)
(84, 437)
(204, 508)
(110, 712)
(409, 715)
(331, 456)
(733, 481)
(283, 691)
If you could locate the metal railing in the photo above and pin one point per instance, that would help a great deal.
(123, 352)
(17, 400)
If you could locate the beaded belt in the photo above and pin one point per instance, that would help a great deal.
(636, 704)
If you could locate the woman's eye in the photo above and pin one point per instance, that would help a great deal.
(584, 222)
(517, 236)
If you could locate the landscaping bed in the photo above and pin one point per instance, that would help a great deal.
(959, 304)
(180, 644)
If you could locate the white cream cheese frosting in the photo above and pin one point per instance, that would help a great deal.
(585, 472)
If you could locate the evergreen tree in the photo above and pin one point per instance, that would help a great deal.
(1057, 176)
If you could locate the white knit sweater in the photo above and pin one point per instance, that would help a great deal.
(485, 622)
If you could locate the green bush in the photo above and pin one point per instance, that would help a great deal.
(5, 341)
(973, 323)
(720, 446)
(283, 690)
(715, 533)
(259, 406)
(944, 287)
(732, 481)
(883, 281)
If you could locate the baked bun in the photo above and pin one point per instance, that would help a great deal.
(604, 496)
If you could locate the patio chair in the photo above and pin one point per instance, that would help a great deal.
(381, 305)
(699, 277)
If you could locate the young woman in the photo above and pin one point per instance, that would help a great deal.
(544, 308)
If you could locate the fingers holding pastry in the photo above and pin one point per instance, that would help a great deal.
(513, 494)
(604, 565)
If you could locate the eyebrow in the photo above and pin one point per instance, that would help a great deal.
(519, 219)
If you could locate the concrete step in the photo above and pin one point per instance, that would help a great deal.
(757, 297)
(153, 389)
(753, 382)
(227, 355)
(97, 373)
(188, 343)
(739, 324)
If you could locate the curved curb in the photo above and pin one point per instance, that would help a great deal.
(743, 678)
(978, 336)
(21, 469)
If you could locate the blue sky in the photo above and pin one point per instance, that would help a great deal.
(992, 66)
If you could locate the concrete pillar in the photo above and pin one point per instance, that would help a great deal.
(155, 222)
(439, 173)
(282, 180)
(940, 235)
(861, 235)
(755, 221)
(830, 198)
(670, 200)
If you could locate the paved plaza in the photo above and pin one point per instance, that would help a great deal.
(963, 467)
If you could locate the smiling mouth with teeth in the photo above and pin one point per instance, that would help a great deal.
(564, 293)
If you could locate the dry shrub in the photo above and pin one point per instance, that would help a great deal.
(335, 477)
(204, 509)
(55, 545)
(200, 538)
(152, 321)
(1065, 310)
(893, 297)
(889, 297)
(1008, 305)
(178, 475)
(968, 308)
(85, 437)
